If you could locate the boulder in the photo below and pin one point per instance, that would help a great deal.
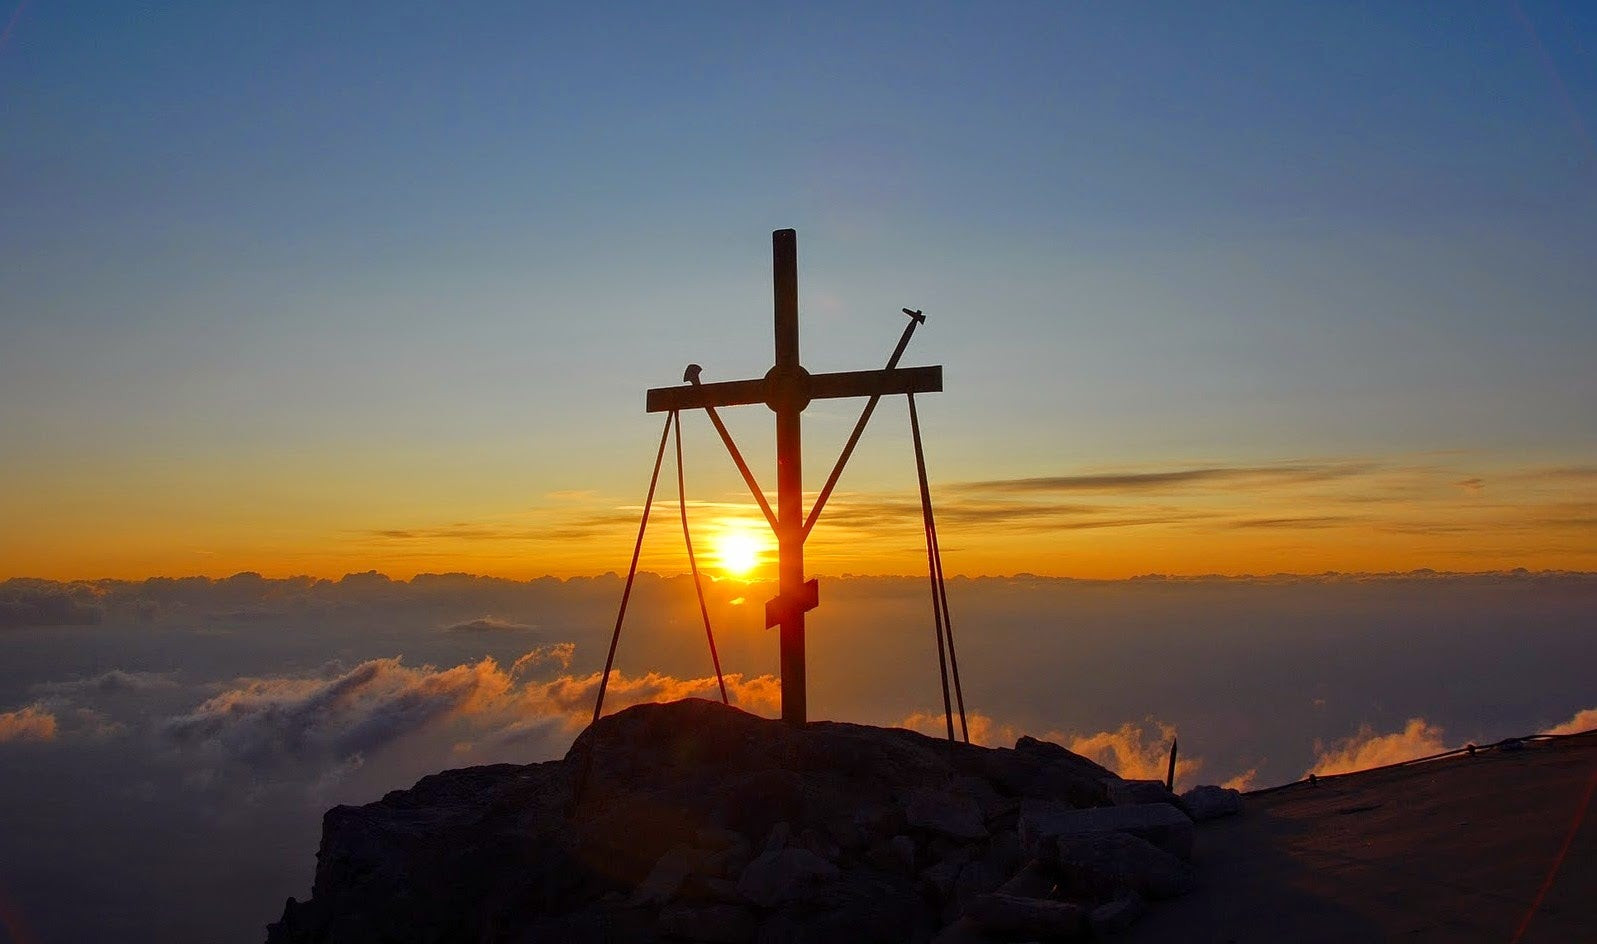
(952, 813)
(782, 875)
(977, 877)
(1043, 823)
(1043, 770)
(1133, 792)
(1115, 916)
(963, 931)
(1100, 865)
(1011, 915)
(939, 879)
(861, 907)
(1035, 880)
(903, 849)
(665, 880)
(713, 924)
(1211, 802)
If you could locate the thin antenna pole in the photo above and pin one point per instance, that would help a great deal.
(632, 571)
(1170, 774)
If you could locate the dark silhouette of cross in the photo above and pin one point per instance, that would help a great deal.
(787, 389)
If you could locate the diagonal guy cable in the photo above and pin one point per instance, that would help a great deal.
(693, 564)
(931, 564)
(632, 571)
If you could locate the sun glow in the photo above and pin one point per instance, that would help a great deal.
(738, 549)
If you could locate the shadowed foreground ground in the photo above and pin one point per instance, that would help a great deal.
(1452, 850)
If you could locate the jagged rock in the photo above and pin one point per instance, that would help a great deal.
(782, 875)
(1005, 851)
(714, 924)
(963, 931)
(1115, 916)
(1027, 917)
(1042, 824)
(950, 812)
(661, 808)
(988, 799)
(977, 877)
(820, 843)
(1003, 814)
(880, 820)
(1134, 792)
(939, 878)
(1102, 865)
(1211, 802)
(666, 878)
(711, 889)
(903, 849)
(1033, 881)
(777, 838)
(861, 907)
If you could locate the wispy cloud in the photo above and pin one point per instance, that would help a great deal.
(1170, 480)
(489, 624)
(110, 682)
(1304, 522)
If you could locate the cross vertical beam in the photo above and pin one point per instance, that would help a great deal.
(788, 378)
(787, 388)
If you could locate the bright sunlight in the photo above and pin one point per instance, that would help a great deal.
(739, 548)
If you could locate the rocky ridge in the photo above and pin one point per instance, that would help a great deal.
(692, 821)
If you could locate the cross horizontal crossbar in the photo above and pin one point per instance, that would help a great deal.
(850, 383)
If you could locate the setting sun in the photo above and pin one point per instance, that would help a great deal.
(738, 551)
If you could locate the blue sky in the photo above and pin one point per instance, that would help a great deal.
(416, 237)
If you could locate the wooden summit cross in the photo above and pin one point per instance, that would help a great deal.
(787, 388)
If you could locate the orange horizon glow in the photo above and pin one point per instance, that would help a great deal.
(1305, 518)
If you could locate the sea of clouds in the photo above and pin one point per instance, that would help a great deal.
(167, 747)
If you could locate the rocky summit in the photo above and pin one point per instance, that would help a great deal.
(692, 821)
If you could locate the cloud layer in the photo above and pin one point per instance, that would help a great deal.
(1367, 749)
(272, 725)
(31, 723)
(1134, 750)
(230, 731)
(1583, 721)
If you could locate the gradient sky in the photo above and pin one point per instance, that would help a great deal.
(1217, 287)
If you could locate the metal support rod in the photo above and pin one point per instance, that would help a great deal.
(632, 571)
(915, 318)
(931, 565)
(693, 564)
(1170, 774)
(692, 376)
